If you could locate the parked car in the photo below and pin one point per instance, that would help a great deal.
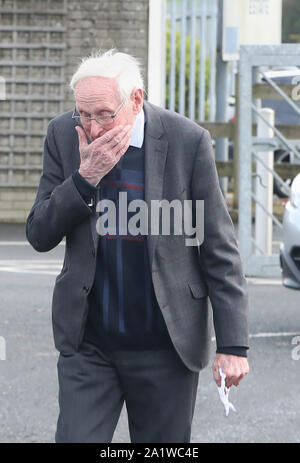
(290, 246)
(284, 114)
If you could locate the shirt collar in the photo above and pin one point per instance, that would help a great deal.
(137, 136)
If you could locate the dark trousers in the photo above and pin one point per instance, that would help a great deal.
(158, 389)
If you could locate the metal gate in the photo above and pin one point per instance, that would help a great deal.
(253, 58)
(32, 60)
(191, 58)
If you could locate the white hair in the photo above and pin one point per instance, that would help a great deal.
(113, 64)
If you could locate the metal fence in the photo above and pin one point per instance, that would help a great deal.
(191, 57)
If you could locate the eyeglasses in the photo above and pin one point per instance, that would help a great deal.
(103, 120)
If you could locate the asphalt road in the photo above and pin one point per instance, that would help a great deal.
(267, 401)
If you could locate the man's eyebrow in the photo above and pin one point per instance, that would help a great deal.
(78, 108)
(106, 108)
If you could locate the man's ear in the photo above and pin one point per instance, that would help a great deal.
(137, 98)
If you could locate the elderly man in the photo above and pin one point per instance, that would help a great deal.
(131, 312)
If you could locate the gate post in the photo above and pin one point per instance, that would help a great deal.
(245, 157)
(264, 187)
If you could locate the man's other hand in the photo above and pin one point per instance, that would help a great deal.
(234, 367)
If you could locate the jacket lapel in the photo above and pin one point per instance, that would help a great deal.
(156, 147)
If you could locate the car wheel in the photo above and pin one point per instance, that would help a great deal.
(281, 156)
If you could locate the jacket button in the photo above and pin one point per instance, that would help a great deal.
(86, 289)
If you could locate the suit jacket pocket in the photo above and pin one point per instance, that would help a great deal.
(63, 271)
(68, 308)
(198, 289)
(183, 194)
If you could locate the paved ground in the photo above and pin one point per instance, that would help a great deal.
(268, 401)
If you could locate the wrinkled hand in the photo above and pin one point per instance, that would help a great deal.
(100, 156)
(234, 367)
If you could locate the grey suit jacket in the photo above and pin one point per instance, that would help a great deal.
(188, 280)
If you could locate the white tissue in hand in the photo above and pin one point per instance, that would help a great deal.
(224, 394)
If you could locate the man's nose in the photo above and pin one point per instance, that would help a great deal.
(96, 130)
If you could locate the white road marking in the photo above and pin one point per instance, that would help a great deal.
(36, 272)
(274, 335)
(53, 266)
(31, 261)
(264, 281)
(22, 243)
(49, 266)
(40, 267)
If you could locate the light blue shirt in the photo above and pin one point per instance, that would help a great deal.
(137, 136)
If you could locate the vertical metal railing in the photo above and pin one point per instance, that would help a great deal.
(192, 76)
(202, 51)
(172, 74)
(182, 69)
(191, 73)
(212, 25)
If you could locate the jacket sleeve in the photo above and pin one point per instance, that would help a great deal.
(219, 257)
(58, 206)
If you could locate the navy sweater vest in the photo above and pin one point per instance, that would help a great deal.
(123, 310)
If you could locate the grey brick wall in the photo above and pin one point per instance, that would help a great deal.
(37, 77)
(102, 24)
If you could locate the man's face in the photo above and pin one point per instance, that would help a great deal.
(96, 96)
